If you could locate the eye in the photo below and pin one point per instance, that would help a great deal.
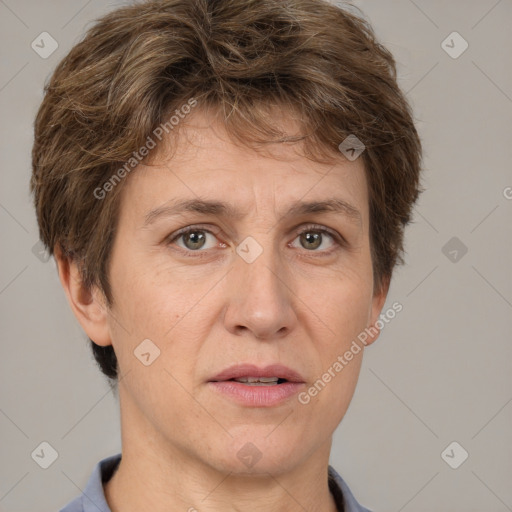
(193, 239)
(315, 237)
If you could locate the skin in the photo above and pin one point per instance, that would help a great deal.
(298, 304)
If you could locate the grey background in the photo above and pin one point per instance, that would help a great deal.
(441, 370)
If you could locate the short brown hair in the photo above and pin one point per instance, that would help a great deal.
(141, 62)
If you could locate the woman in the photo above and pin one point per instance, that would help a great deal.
(224, 186)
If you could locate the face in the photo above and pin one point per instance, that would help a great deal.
(263, 280)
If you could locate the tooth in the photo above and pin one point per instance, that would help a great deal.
(255, 380)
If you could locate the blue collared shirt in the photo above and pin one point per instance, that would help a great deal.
(93, 497)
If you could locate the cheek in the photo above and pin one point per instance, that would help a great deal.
(327, 399)
(341, 314)
(168, 306)
(154, 295)
(341, 303)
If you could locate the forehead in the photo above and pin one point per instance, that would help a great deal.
(202, 168)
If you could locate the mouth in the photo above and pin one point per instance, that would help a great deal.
(259, 381)
(251, 386)
(249, 374)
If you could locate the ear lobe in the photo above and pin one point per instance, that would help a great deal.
(378, 302)
(87, 304)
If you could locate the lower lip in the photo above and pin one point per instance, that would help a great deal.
(257, 396)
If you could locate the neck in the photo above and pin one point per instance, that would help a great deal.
(163, 476)
(146, 483)
(172, 480)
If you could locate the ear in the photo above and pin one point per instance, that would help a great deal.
(378, 301)
(88, 305)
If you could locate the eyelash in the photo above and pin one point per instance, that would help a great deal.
(339, 241)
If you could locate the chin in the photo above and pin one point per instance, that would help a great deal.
(259, 453)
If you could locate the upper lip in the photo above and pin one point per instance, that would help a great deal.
(250, 370)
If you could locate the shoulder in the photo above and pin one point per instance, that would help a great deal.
(342, 493)
(74, 506)
(92, 498)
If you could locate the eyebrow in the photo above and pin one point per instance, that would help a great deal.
(222, 209)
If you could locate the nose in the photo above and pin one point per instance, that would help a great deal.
(260, 298)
